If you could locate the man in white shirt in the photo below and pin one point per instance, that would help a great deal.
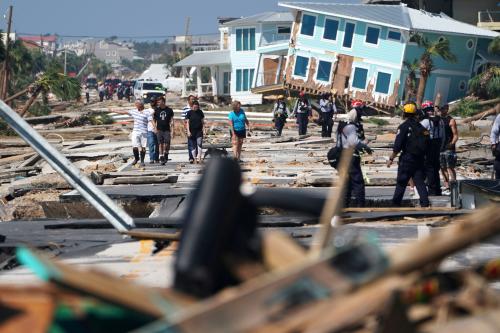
(154, 154)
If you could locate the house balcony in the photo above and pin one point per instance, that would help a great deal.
(274, 43)
(489, 20)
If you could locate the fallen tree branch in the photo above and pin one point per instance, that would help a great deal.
(482, 115)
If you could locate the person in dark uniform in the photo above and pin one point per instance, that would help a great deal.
(280, 114)
(411, 140)
(352, 136)
(435, 125)
(328, 110)
(302, 111)
(448, 158)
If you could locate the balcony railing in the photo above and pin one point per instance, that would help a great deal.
(273, 38)
(489, 20)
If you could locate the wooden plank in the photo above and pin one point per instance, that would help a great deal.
(144, 235)
(145, 180)
(17, 158)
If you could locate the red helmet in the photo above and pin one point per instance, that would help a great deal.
(357, 104)
(427, 105)
(302, 94)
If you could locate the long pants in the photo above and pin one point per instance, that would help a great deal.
(326, 124)
(101, 97)
(190, 149)
(410, 167)
(497, 168)
(302, 120)
(433, 166)
(197, 146)
(279, 123)
(356, 185)
(154, 150)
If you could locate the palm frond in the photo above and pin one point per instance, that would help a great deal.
(494, 46)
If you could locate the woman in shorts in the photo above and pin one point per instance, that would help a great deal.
(238, 123)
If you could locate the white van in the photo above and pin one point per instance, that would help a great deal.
(147, 90)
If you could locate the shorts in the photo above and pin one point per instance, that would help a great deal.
(448, 159)
(139, 139)
(164, 137)
(241, 134)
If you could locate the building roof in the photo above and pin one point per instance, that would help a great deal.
(206, 58)
(156, 72)
(387, 15)
(395, 16)
(266, 17)
(425, 21)
(51, 38)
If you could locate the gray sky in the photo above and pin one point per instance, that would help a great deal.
(125, 17)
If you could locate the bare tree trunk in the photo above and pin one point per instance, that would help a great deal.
(421, 89)
(16, 95)
(490, 112)
(29, 103)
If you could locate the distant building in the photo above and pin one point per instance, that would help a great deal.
(47, 43)
(12, 36)
(110, 51)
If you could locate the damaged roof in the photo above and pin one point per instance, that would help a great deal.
(266, 17)
(394, 16)
(206, 58)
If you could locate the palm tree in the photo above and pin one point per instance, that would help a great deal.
(438, 48)
(494, 46)
(61, 85)
(411, 79)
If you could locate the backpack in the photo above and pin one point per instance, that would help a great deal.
(335, 153)
(418, 139)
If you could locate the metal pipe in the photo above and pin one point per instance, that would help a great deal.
(98, 199)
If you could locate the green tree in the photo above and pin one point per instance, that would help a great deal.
(61, 85)
(494, 46)
(438, 48)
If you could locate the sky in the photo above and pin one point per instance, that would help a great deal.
(125, 17)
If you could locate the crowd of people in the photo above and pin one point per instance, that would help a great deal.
(425, 140)
(154, 130)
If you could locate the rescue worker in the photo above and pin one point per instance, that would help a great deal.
(280, 114)
(495, 145)
(302, 111)
(328, 110)
(351, 135)
(411, 140)
(435, 125)
(448, 159)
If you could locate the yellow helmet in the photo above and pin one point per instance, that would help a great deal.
(410, 108)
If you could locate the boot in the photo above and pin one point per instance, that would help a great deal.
(165, 159)
(136, 156)
(143, 155)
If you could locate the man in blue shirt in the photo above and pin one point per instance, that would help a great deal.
(238, 123)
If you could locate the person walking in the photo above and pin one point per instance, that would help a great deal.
(238, 123)
(185, 110)
(139, 132)
(412, 141)
(164, 125)
(435, 125)
(495, 145)
(153, 147)
(302, 111)
(448, 157)
(102, 92)
(87, 94)
(280, 114)
(351, 135)
(328, 110)
(195, 123)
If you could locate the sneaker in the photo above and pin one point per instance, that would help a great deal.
(446, 192)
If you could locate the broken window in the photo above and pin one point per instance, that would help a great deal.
(348, 35)
(324, 70)
(360, 76)
(383, 83)
(372, 35)
(331, 29)
(308, 24)
(301, 66)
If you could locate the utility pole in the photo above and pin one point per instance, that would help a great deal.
(5, 82)
(65, 61)
(186, 32)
